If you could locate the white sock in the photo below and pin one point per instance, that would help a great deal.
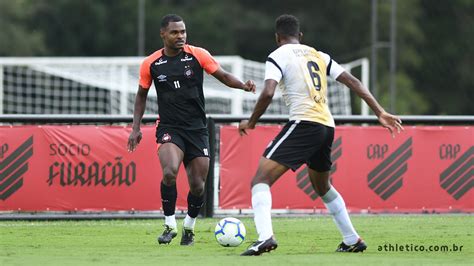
(170, 221)
(262, 207)
(337, 207)
(189, 222)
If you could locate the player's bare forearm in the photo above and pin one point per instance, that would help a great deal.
(389, 121)
(136, 135)
(232, 81)
(263, 102)
(139, 109)
(356, 86)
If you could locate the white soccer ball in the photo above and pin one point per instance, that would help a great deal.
(230, 232)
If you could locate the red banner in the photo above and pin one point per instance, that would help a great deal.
(424, 168)
(85, 168)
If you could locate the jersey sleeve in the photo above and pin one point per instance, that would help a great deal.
(145, 76)
(275, 65)
(333, 68)
(273, 70)
(207, 62)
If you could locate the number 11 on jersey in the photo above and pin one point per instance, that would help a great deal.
(176, 84)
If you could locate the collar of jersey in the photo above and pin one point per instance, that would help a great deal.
(171, 57)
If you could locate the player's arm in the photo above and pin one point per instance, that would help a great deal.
(210, 65)
(232, 81)
(389, 121)
(263, 102)
(138, 111)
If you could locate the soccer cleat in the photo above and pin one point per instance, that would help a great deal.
(360, 246)
(259, 247)
(167, 235)
(187, 238)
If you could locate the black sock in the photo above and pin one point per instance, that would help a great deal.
(194, 204)
(168, 198)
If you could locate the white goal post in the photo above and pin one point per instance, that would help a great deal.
(107, 85)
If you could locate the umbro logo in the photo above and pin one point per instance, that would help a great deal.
(161, 78)
(161, 62)
(13, 167)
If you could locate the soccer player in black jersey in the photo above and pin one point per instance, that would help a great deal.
(177, 72)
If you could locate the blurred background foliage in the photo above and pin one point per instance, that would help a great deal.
(434, 37)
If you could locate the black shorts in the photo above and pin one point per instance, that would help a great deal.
(194, 143)
(302, 142)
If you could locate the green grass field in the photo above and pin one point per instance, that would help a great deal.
(309, 240)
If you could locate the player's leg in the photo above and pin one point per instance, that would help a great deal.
(197, 170)
(319, 166)
(284, 152)
(171, 155)
(336, 206)
(267, 174)
(196, 161)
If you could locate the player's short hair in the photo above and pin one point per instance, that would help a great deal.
(287, 25)
(165, 21)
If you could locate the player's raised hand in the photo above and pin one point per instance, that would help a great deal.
(133, 140)
(243, 126)
(391, 122)
(249, 86)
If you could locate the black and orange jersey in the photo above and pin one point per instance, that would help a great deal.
(179, 85)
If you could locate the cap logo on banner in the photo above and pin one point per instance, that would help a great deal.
(387, 177)
(13, 167)
(302, 178)
(457, 178)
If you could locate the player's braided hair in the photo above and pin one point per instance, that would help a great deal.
(287, 25)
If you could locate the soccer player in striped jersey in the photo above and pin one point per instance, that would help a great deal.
(300, 71)
(177, 73)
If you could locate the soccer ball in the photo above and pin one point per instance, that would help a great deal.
(230, 232)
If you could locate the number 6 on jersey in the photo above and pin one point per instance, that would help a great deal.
(313, 69)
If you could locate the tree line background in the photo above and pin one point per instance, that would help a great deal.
(434, 37)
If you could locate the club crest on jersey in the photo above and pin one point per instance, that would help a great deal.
(166, 138)
(188, 72)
